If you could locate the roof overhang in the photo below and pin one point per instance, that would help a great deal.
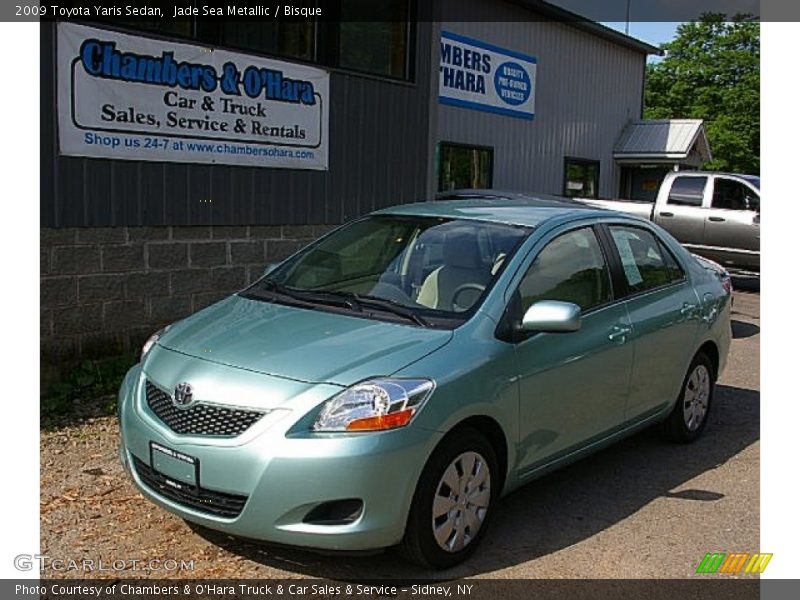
(557, 13)
(670, 141)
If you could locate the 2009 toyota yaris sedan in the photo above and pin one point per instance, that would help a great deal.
(391, 381)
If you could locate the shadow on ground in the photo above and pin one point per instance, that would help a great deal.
(746, 283)
(742, 329)
(561, 509)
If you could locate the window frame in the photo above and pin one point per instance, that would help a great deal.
(325, 41)
(584, 162)
(508, 328)
(331, 42)
(703, 194)
(621, 285)
(743, 183)
(440, 163)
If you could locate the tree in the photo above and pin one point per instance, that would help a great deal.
(711, 72)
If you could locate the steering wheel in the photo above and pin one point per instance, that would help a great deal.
(390, 291)
(464, 287)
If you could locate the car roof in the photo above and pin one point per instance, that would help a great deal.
(707, 173)
(511, 208)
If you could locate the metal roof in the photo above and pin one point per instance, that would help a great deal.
(664, 140)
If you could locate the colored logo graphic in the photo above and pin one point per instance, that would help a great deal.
(733, 563)
(513, 84)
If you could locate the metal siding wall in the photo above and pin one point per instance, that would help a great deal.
(587, 90)
(377, 138)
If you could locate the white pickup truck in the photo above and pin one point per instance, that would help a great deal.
(716, 215)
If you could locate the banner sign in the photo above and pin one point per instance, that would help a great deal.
(474, 74)
(136, 98)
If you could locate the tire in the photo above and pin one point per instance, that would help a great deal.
(688, 419)
(463, 525)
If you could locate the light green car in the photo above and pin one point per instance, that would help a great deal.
(390, 382)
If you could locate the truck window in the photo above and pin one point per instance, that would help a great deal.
(730, 195)
(687, 191)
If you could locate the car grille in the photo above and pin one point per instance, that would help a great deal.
(219, 504)
(200, 419)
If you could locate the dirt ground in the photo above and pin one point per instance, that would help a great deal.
(643, 508)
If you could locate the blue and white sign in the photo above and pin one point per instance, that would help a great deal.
(474, 74)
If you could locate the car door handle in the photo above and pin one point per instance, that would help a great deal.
(619, 333)
(666, 214)
(716, 219)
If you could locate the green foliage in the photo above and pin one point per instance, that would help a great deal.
(89, 383)
(711, 71)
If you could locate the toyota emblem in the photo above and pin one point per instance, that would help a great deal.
(183, 395)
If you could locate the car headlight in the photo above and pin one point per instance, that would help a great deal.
(374, 405)
(151, 341)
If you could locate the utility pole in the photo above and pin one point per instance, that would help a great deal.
(627, 17)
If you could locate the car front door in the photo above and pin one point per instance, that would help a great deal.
(573, 386)
(665, 313)
(732, 233)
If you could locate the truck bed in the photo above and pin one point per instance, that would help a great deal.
(640, 209)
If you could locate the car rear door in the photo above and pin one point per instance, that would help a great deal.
(664, 311)
(573, 386)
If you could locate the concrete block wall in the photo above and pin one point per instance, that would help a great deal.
(103, 291)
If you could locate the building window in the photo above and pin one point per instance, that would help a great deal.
(581, 177)
(378, 47)
(381, 46)
(282, 38)
(463, 166)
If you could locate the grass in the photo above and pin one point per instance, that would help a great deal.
(93, 382)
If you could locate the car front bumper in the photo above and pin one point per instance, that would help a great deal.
(285, 472)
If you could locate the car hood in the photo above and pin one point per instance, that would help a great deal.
(298, 343)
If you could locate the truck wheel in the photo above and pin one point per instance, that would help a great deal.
(688, 419)
(453, 501)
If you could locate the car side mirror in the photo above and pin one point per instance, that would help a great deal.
(552, 316)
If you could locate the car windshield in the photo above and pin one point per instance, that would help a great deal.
(418, 269)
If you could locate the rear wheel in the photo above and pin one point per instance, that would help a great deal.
(453, 501)
(688, 419)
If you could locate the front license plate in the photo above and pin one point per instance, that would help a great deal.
(178, 467)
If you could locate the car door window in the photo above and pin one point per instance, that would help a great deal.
(571, 268)
(642, 261)
(675, 270)
(687, 191)
(731, 195)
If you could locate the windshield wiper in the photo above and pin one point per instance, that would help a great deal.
(392, 307)
(312, 296)
(350, 300)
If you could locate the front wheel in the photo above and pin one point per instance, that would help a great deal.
(453, 501)
(689, 417)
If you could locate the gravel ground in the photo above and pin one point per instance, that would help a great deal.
(643, 508)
